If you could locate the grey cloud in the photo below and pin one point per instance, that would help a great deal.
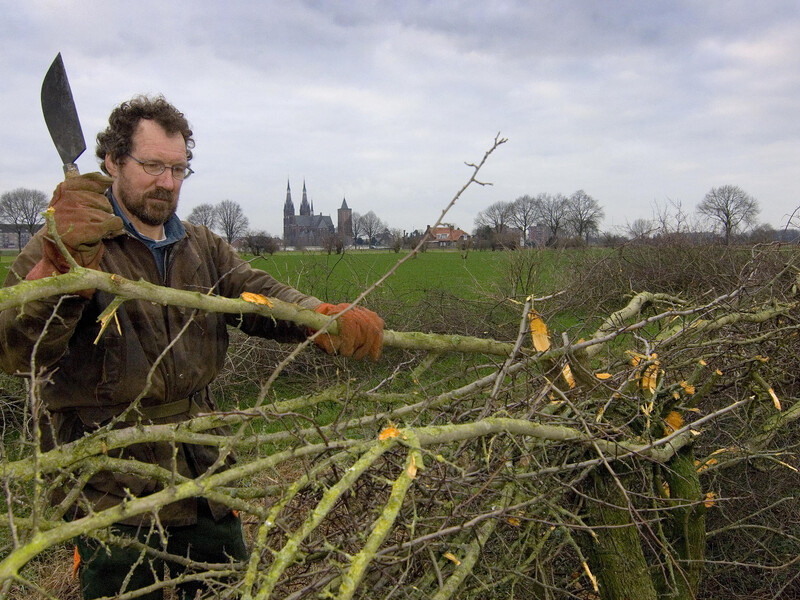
(382, 102)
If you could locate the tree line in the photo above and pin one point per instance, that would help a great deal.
(552, 219)
(543, 219)
(559, 216)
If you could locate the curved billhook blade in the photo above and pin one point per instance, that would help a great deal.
(61, 116)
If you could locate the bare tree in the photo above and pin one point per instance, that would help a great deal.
(203, 214)
(396, 237)
(584, 214)
(524, 213)
(370, 225)
(553, 213)
(333, 242)
(497, 216)
(261, 243)
(670, 217)
(763, 233)
(23, 209)
(231, 220)
(358, 229)
(731, 208)
(640, 229)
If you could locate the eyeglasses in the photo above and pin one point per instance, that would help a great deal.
(155, 168)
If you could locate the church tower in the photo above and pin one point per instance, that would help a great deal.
(345, 220)
(288, 215)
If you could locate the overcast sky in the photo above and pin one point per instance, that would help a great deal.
(382, 103)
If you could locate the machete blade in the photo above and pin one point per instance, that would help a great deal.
(61, 115)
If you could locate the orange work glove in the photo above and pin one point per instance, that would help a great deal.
(360, 332)
(83, 217)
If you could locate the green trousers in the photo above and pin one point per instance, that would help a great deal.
(111, 570)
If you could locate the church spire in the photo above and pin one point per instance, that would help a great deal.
(305, 209)
(288, 206)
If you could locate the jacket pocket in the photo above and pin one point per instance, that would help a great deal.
(125, 365)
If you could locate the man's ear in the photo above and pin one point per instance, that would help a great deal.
(111, 166)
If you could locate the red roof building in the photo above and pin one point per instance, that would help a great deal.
(446, 236)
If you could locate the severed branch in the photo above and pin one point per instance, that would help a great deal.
(125, 289)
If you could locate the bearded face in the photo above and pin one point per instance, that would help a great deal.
(148, 200)
(152, 206)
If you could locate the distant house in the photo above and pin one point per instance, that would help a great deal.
(538, 235)
(446, 236)
(13, 236)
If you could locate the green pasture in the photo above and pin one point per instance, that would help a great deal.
(6, 258)
(337, 278)
(470, 276)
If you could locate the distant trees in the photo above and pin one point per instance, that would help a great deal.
(227, 218)
(496, 216)
(730, 208)
(671, 218)
(640, 229)
(260, 243)
(368, 226)
(556, 219)
(23, 209)
(508, 223)
(203, 214)
(395, 237)
(583, 215)
(763, 234)
(358, 229)
(524, 212)
(552, 214)
(333, 242)
(231, 220)
(412, 240)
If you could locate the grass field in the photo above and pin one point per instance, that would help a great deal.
(470, 276)
(6, 258)
(337, 278)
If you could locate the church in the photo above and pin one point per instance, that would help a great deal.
(307, 229)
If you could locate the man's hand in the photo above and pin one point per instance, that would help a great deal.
(360, 332)
(83, 217)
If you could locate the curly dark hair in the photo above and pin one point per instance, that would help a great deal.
(116, 140)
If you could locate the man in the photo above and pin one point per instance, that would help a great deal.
(157, 367)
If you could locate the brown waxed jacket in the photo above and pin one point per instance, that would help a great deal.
(89, 384)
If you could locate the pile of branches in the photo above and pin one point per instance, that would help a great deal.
(652, 457)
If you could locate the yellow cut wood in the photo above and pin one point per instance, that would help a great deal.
(672, 422)
(256, 299)
(568, 377)
(539, 334)
(390, 432)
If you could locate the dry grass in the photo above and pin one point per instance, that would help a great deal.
(52, 571)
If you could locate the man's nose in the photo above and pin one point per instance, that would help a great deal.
(166, 180)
